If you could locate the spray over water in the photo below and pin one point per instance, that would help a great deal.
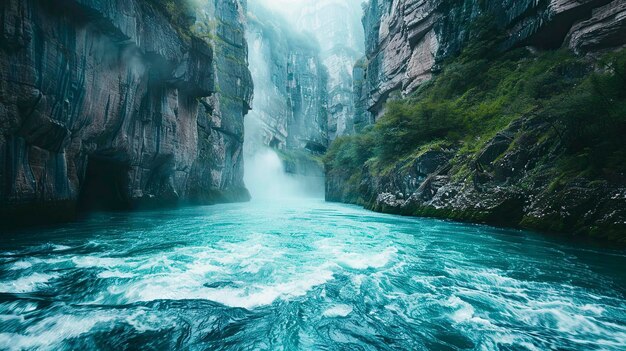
(266, 175)
(266, 178)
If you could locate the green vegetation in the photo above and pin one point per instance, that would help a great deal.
(181, 15)
(474, 98)
(572, 113)
(301, 162)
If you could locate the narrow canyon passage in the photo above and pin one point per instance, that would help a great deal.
(199, 147)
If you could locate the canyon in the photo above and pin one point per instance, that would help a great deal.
(119, 105)
(147, 103)
(407, 41)
(312, 174)
(302, 58)
(513, 171)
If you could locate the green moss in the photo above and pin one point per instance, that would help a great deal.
(179, 13)
(299, 156)
(578, 104)
(587, 110)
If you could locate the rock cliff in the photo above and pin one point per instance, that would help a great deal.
(521, 132)
(291, 96)
(217, 174)
(116, 104)
(291, 100)
(408, 40)
(336, 27)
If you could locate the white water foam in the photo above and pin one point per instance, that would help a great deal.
(265, 176)
(187, 287)
(51, 332)
(565, 310)
(60, 247)
(98, 262)
(19, 265)
(115, 274)
(464, 312)
(27, 284)
(365, 261)
(370, 258)
(338, 311)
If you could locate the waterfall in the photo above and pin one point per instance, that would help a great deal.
(265, 173)
(266, 178)
(300, 54)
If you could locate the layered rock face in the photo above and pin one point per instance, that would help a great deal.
(290, 104)
(510, 179)
(336, 27)
(217, 174)
(407, 40)
(112, 104)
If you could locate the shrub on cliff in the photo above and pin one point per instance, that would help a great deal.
(407, 125)
(471, 100)
(591, 117)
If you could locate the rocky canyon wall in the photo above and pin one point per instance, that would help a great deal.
(116, 104)
(408, 40)
(505, 145)
(336, 26)
(218, 172)
(290, 111)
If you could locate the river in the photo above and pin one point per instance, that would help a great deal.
(304, 275)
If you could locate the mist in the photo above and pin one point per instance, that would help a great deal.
(300, 55)
(265, 175)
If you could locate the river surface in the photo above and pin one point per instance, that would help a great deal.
(304, 275)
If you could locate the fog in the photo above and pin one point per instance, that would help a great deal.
(332, 23)
(265, 175)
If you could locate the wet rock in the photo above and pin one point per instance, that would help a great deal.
(90, 83)
(512, 180)
(407, 40)
(496, 147)
(430, 161)
(517, 189)
(605, 29)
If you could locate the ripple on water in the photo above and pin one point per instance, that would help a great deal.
(323, 276)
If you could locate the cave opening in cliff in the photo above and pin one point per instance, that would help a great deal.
(274, 143)
(105, 185)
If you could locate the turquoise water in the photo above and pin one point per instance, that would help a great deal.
(304, 275)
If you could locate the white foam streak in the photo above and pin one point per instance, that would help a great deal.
(50, 332)
(338, 311)
(27, 284)
(186, 288)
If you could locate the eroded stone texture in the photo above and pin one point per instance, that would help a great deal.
(99, 107)
(507, 181)
(510, 185)
(336, 28)
(407, 40)
(604, 30)
(217, 174)
(291, 97)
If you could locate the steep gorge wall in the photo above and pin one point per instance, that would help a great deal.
(218, 172)
(290, 111)
(335, 25)
(113, 104)
(408, 40)
(511, 176)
